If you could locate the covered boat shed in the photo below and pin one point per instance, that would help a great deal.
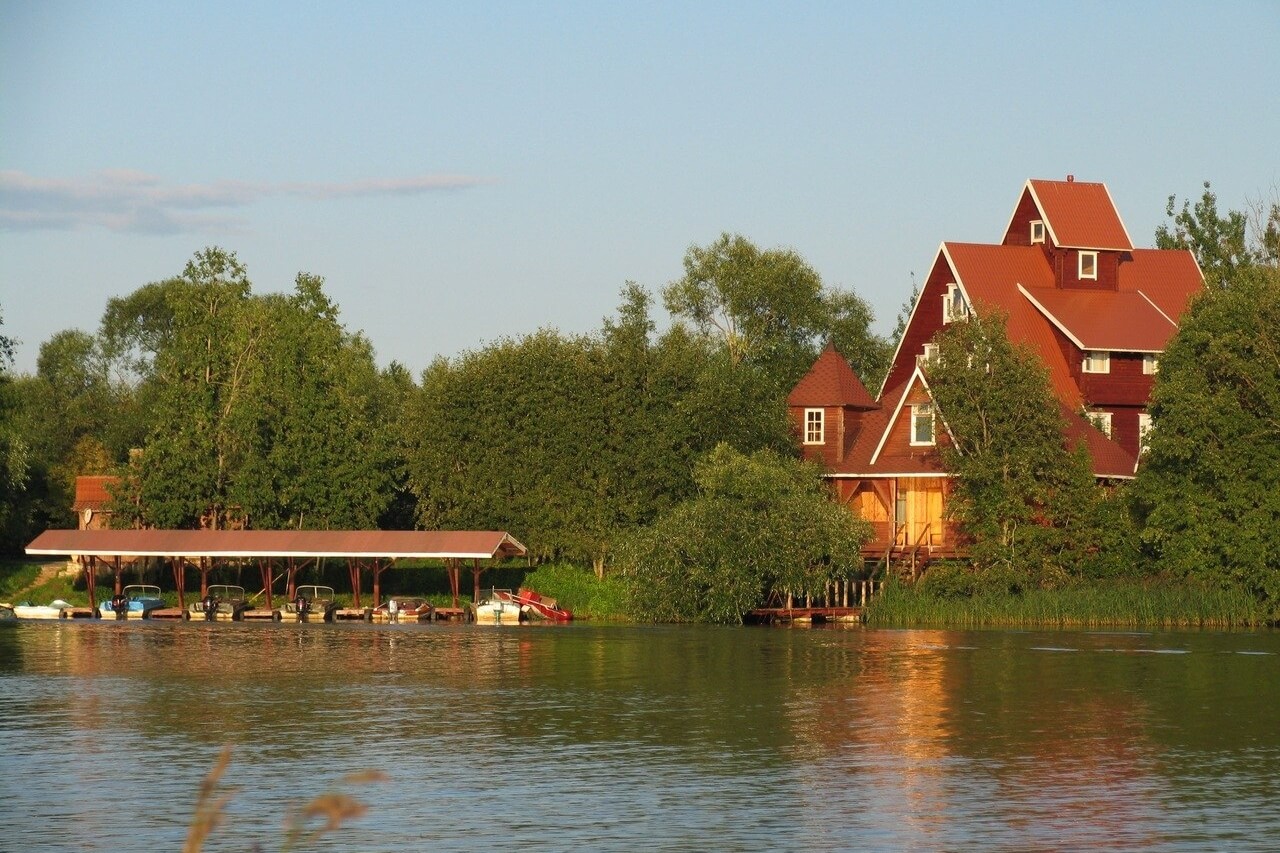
(376, 550)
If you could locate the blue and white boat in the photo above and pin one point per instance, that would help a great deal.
(138, 600)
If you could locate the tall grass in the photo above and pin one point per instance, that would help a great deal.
(1116, 604)
(579, 590)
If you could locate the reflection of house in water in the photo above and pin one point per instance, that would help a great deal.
(939, 737)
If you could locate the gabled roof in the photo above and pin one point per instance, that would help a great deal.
(991, 276)
(1104, 320)
(1079, 215)
(830, 382)
(392, 544)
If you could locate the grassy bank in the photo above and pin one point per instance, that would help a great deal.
(1113, 604)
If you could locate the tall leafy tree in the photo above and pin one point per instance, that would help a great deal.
(1025, 499)
(769, 308)
(758, 523)
(14, 456)
(1207, 496)
(1224, 244)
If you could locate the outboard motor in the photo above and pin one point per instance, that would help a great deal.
(210, 608)
(300, 605)
(120, 605)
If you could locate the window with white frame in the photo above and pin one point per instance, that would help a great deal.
(928, 355)
(1144, 428)
(814, 426)
(1098, 361)
(1037, 231)
(953, 305)
(1088, 265)
(1102, 420)
(1150, 363)
(922, 424)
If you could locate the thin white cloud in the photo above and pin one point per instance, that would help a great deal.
(129, 201)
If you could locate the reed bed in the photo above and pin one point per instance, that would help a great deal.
(1111, 605)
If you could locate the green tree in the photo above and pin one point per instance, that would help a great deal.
(758, 524)
(1027, 502)
(769, 308)
(14, 456)
(1223, 244)
(1207, 497)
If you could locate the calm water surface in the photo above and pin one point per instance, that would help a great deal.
(643, 738)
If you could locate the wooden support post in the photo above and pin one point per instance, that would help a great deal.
(475, 577)
(90, 580)
(451, 566)
(290, 588)
(264, 569)
(118, 588)
(377, 582)
(353, 568)
(179, 579)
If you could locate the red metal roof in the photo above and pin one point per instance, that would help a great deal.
(436, 544)
(1080, 215)
(990, 276)
(1108, 458)
(1168, 277)
(830, 382)
(92, 492)
(1105, 320)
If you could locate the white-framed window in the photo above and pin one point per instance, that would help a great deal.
(928, 355)
(1098, 361)
(953, 305)
(1144, 428)
(814, 426)
(1088, 265)
(1102, 420)
(1150, 363)
(921, 424)
(1037, 231)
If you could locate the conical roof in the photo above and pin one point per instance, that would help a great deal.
(830, 382)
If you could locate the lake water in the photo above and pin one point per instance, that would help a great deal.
(589, 737)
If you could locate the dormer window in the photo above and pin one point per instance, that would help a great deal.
(921, 424)
(953, 305)
(1088, 265)
(928, 355)
(1037, 231)
(1097, 362)
(814, 426)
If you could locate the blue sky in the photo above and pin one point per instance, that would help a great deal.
(461, 172)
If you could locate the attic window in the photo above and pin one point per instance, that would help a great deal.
(953, 305)
(1144, 428)
(1088, 265)
(929, 354)
(921, 424)
(1150, 364)
(1037, 231)
(1096, 362)
(814, 426)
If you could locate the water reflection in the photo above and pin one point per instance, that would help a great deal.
(657, 737)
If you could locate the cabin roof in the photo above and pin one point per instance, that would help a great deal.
(830, 382)
(1080, 215)
(392, 544)
(92, 492)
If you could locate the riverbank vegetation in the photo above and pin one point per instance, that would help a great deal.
(655, 472)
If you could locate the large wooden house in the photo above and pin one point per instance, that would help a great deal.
(1075, 290)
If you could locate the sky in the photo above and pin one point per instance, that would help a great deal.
(464, 172)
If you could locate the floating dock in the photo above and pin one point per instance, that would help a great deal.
(803, 615)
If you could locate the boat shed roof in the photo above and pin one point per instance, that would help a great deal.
(392, 544)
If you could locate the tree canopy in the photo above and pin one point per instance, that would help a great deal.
(1025, 499)
(769, 308)
(759, 523)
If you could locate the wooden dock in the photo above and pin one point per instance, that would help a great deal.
(803, 615)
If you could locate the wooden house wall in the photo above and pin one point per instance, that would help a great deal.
(1019, 233)
(1125, 385)
(1066, 270)
(924, 324)
(840, 426)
